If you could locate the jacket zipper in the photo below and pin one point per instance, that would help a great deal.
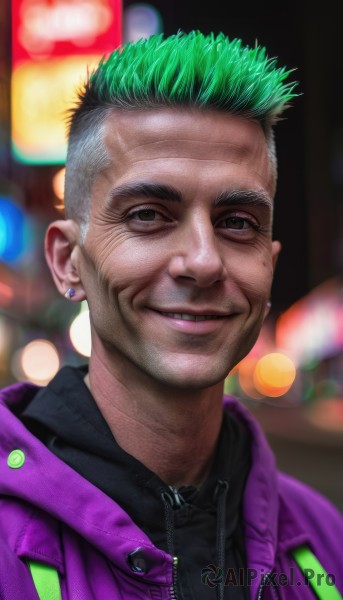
(260, 590)
(173, 590)
(275, 593)
(175, 500)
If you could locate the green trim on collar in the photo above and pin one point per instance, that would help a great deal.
(46, 581)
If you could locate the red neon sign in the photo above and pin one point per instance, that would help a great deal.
(54, 43)
(52, 28)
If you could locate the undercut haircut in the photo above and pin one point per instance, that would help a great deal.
(183, 70)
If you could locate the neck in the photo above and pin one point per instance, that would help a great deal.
(173, 432)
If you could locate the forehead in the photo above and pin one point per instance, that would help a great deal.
(164, 140)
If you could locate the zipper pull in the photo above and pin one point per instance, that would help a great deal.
(173, 589)
(177, 497)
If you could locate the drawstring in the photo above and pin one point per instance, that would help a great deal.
(220, 495)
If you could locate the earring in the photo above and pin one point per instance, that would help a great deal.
(269, 304)
(70, 293)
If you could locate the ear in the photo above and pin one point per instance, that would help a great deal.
(276, 249)
(61, 253)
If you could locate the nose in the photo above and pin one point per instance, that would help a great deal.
(197, 254)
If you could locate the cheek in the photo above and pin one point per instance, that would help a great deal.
(255, 278)
(128, 268)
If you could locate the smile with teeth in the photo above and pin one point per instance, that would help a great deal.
(188, 317)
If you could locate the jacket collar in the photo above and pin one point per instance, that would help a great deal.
(82, 506)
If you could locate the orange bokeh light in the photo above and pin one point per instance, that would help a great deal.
(58, 183)
(245, 377)
(274, 374)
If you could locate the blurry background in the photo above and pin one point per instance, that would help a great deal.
(293, 379)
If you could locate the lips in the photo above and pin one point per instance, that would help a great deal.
(190, 317)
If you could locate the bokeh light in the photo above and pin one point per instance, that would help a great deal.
(6, 294)
(13, 231)
(58, 183)
(246, 378)
(327, 414)
(80, 333)
(37, 362)
(5, 336)
(141, 21)
(274, 374)
(41, 93)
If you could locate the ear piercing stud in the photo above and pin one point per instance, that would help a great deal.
(70, 293)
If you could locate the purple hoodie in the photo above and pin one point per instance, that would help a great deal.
(49, 513)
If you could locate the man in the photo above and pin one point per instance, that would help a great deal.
(130, 480)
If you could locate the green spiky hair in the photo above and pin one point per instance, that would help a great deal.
(190, 69)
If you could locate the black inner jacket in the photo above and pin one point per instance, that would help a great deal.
(196, 525)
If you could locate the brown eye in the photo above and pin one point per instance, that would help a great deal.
(145, 215)
(236, 223)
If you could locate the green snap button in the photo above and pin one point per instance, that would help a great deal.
(16, 459)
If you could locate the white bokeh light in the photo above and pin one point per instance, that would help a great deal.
(141, 21)
(39, 361)
(80, 333)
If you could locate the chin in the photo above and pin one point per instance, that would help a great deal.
(191, 379)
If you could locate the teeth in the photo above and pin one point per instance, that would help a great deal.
(187, 317)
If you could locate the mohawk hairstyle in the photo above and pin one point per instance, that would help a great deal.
(186, 69)
(190, 69)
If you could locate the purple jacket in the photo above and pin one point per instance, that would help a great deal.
(49, 513)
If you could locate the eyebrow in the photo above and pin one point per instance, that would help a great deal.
(161, 191)
(244, 197)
